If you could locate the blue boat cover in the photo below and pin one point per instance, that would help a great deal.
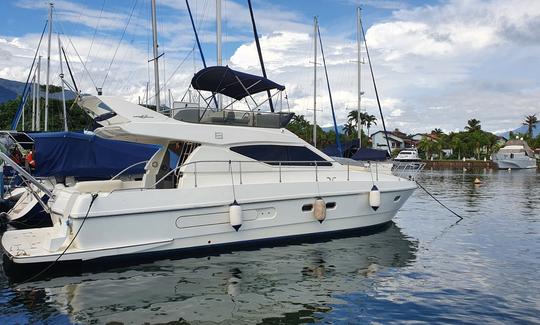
(235, 84)
(87, 156)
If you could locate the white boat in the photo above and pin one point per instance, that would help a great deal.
(516, 154)
(408, 155)
(239, 176)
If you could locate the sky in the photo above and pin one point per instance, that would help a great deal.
(437, 64)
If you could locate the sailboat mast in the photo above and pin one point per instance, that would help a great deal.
(219, 44)
(62, 82)
(34, 96)
(38, 95)
(48, 69)
(156, 56)
(359, 42)
(315, 81)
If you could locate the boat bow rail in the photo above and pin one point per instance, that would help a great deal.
(24, 174)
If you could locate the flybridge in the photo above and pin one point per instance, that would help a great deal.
(231, 83)
(237, 85)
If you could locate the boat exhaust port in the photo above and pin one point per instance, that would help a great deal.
(374, 198)
(319, 210)
(235, 215)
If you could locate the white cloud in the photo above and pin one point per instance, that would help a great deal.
(436, 65)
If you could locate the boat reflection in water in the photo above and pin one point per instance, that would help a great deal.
(281, 283)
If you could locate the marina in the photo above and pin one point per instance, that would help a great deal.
(421, 267)
(145, 181)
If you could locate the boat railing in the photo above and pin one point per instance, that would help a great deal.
(238, 169)
(407, 169)
(232, 117)
(128, 168)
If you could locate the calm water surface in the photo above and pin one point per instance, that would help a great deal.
(424, 267)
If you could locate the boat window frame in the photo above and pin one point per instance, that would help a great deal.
(315, 159)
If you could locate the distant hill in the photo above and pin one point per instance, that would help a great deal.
(522, 129)
(6, 94)
(10, 89)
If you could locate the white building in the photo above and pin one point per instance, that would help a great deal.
(379, 141)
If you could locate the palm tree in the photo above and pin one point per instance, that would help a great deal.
(353, 117)
(426, 145)
(349, 129)
(530, 121)
(370, 120)
(437, 131)
(473, 125)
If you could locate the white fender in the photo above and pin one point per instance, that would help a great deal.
(319, 210)
(374, 198)
(235, 215)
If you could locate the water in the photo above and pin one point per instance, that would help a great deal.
(424, 267)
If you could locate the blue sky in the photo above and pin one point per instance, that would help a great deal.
(437, 63)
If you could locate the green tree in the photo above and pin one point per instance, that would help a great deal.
(370, 121)
(425, 146)
(473, 125)
(349, 129)
(530, 122)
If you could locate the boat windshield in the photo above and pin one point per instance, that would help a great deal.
(233, 117)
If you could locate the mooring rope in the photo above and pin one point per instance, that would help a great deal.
(94, 196)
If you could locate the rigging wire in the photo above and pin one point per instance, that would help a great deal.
(119, 43)
(177, 68)
(77, 52)
(375, 88)
(95, 32)
(338, 142)
(24, 95)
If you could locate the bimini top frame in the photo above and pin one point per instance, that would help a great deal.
(237, 85)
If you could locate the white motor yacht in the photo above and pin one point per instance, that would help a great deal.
(220, 178)
(408, 155)
(516, 154)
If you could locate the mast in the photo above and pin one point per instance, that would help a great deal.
(62, 82)
(156, 56)
(48, 68)
(359, 42)
(338, 143)
(219, 45)
(34, 96)
(38, 95)
(259, 52)
(315, 23)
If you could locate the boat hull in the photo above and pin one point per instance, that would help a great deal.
(144, 229)
(515, 164)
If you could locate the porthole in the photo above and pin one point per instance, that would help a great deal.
(397, 198)
(330, 205)
(307, 207)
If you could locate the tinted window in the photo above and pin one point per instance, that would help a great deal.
(288, 155)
